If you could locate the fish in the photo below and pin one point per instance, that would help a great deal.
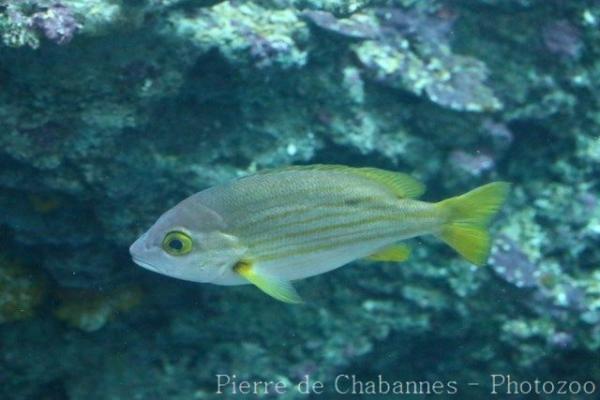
(284, 224)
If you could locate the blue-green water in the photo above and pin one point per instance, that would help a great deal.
(111, 112)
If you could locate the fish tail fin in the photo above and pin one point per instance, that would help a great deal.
(468, 217)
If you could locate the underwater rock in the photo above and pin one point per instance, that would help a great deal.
(16, 28)
(501, 135)
(57, 23)
(452, 81)
(471, 164)
(153, 101)
(512, 265)
(90, 310)
(412, 52)
(24, 23)
(245, 33)
(358, 26)
(563, 39)
(22, 289)
(433, 27)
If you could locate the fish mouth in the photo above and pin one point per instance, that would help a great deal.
(144, 264)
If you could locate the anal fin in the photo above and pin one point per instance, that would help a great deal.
(395, 253)
(277, 288)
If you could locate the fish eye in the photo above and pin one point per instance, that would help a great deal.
(177, 243)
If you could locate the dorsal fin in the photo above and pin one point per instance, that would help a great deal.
(403, 185)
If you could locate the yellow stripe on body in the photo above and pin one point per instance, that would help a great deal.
(316, 221)
(281, 219)
(286, 215)
(299, 249)
(401, 225)
(325, 227)
(302, 216)
(298, 209)
(403, 221)
(328, 235)
(253, 199)
(243, 209)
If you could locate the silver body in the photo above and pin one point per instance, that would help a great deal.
(289, 223)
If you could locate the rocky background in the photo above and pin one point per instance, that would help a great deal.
(111, 111)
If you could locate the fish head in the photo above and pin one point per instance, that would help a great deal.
(188, 242)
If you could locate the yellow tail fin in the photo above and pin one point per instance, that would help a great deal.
(468, 218)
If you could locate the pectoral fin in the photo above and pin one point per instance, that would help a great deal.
(277, 288)
(395, 252)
